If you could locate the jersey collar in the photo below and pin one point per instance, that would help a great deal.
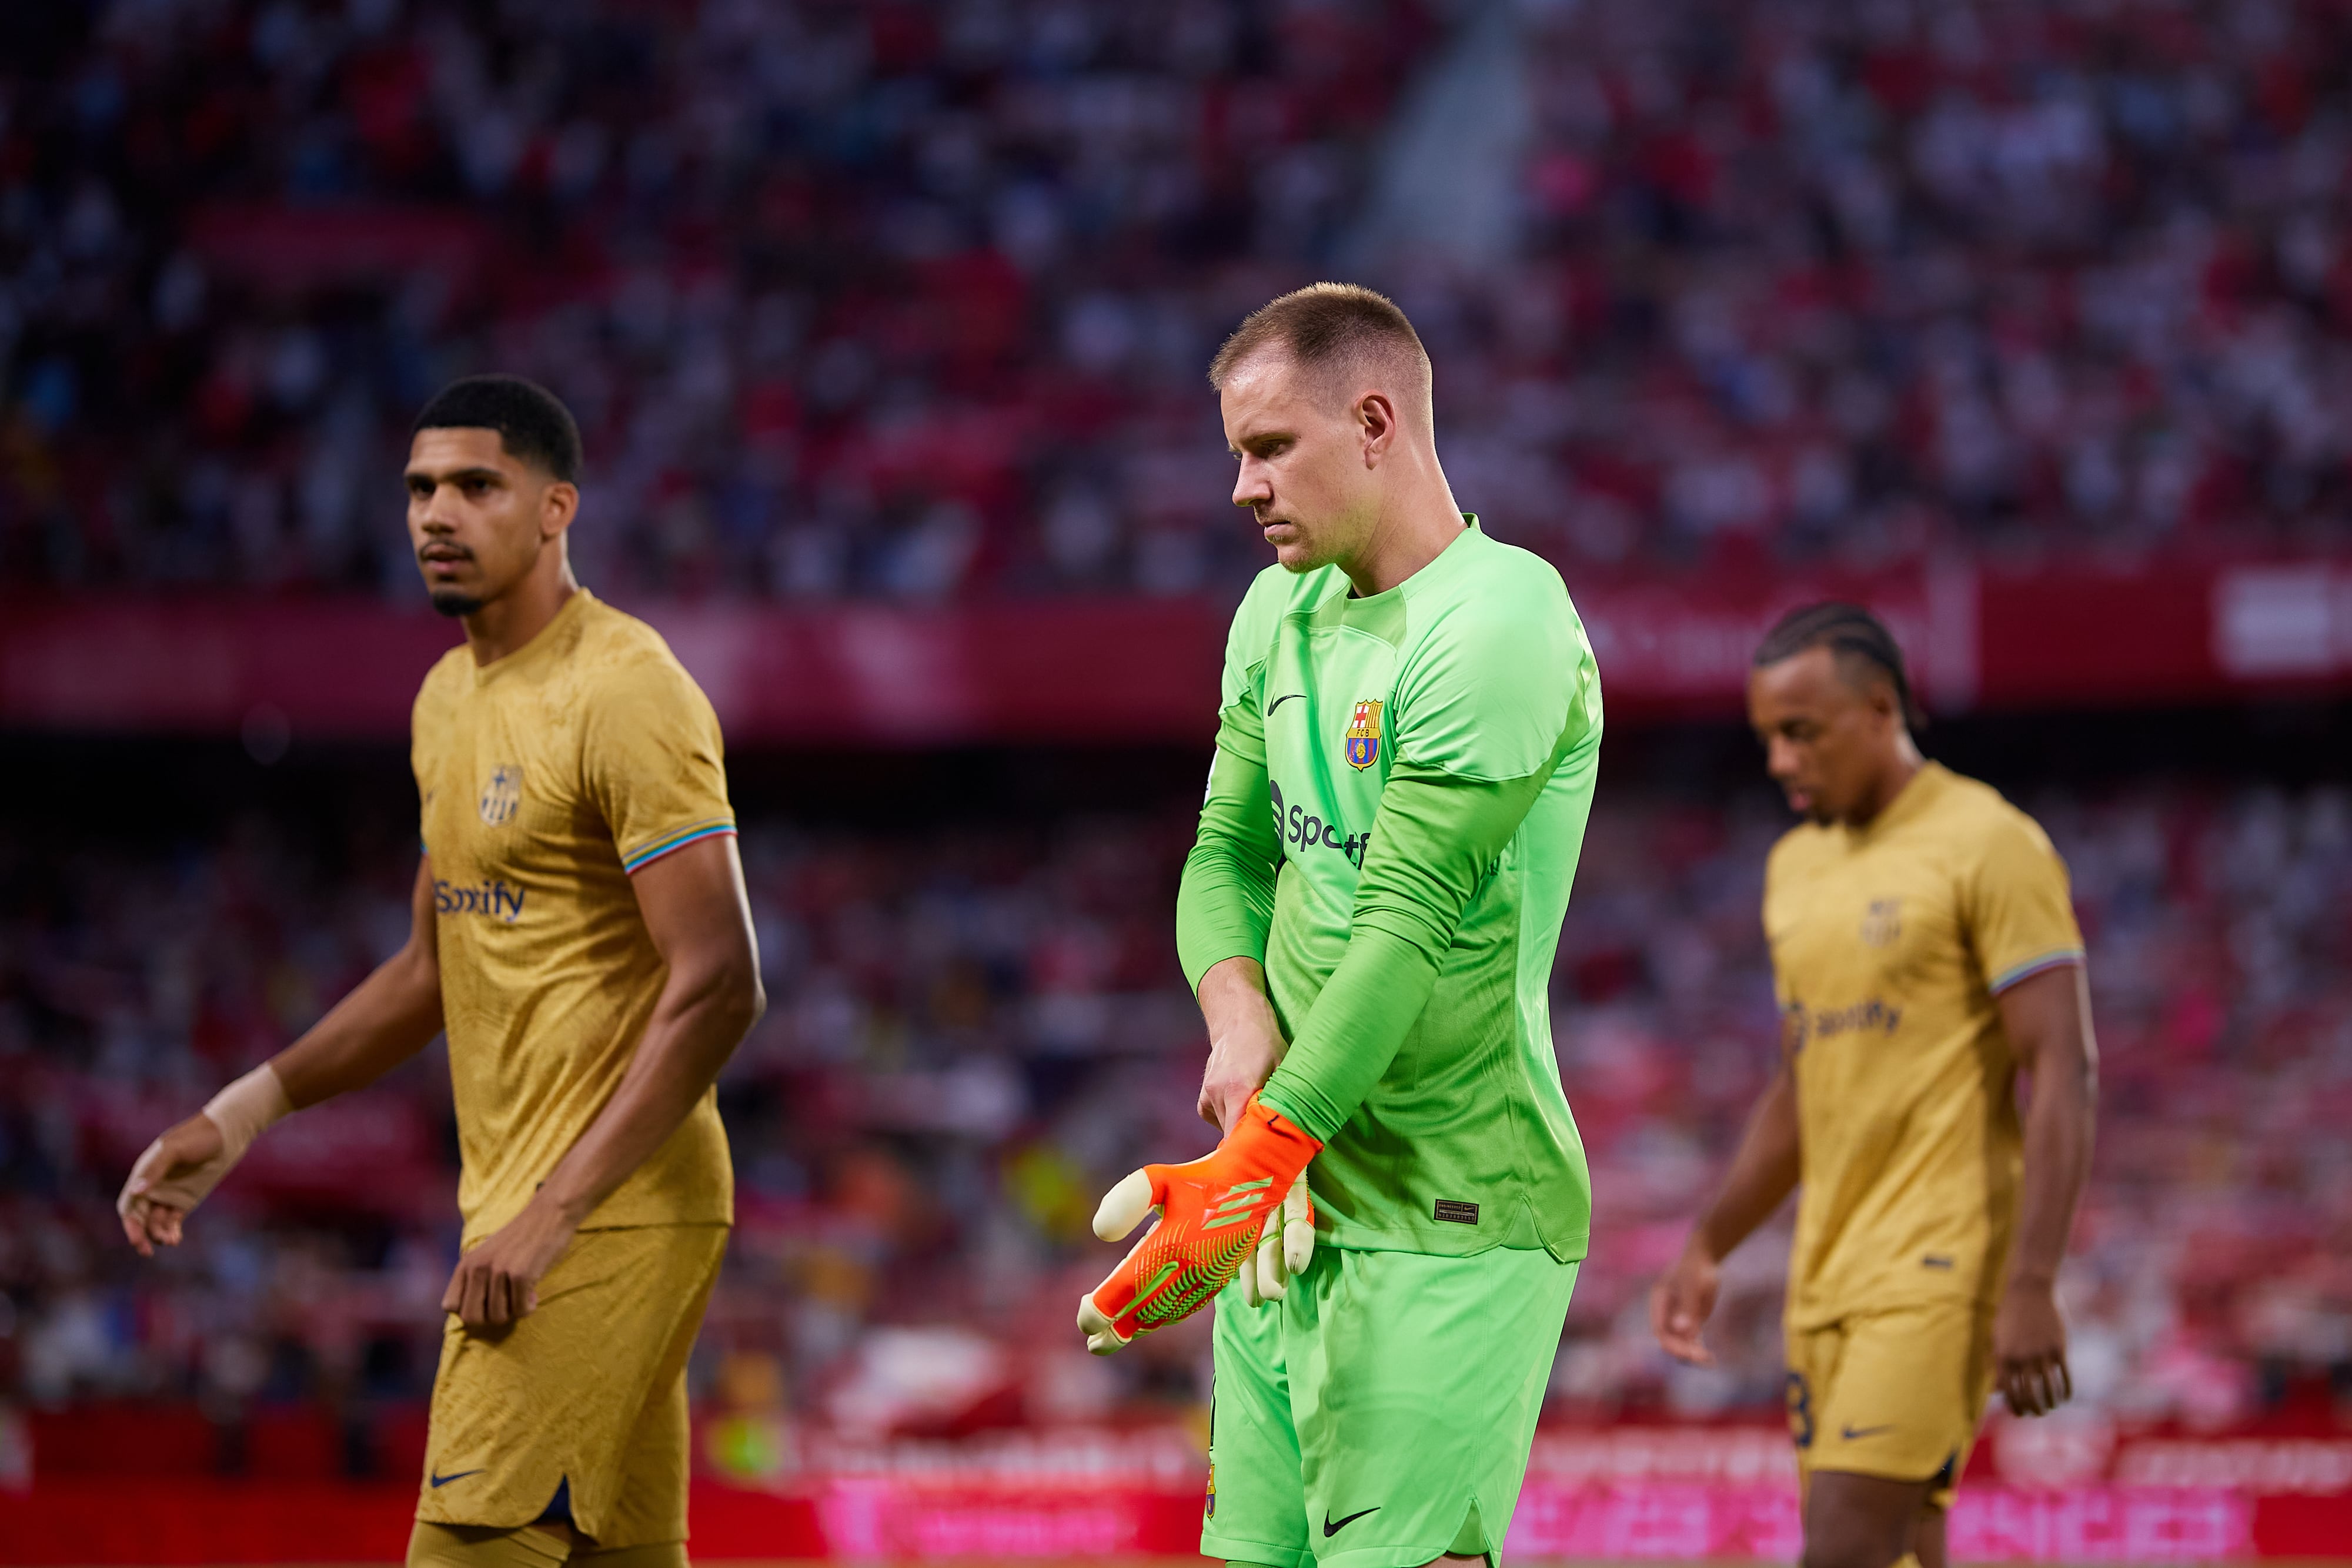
(1916, 795)
(552, 639)
(1456, 549)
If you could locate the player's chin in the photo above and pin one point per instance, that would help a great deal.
(1292, 550)
(455, 601)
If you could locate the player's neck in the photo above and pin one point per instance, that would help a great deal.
(1415, 528)
(1901, 768)
(507, 623)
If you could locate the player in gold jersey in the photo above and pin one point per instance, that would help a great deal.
(1925, 954)
(579, 929)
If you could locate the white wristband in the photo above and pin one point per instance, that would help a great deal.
(245, 1110)
(242, 1112)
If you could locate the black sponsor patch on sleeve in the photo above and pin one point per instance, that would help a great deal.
(1934, 1260)
(1456, 1212)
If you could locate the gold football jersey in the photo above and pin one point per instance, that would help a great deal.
(1890, 942)
(547, 777)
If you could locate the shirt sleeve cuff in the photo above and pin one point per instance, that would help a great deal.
(671, 843)
(1196, 968)
(1278, 1097)
(2057, 958)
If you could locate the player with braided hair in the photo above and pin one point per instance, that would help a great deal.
(1927, 956)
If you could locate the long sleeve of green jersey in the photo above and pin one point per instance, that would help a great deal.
(1225, 903)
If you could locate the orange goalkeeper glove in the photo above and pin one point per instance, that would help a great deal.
(1210, 1212)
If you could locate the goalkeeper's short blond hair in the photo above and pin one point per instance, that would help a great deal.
(1346, 333)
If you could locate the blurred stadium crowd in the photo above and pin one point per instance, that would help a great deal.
(912, 301)
(972, 1031)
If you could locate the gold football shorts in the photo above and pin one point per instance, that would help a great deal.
(1897, 1394)
(587, 1394)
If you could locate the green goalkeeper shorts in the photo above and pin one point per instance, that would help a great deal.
(1379, 1414)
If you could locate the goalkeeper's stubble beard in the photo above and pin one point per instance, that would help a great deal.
(1302, 547)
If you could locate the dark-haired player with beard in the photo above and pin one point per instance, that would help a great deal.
(579, 929)
(1925, 954)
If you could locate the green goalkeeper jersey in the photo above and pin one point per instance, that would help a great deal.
(1392, 821)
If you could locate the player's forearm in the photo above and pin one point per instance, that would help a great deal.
(2060, 1123)
(700, 1019)
(1233, 1000)
(2058, 1136)
(2048, 1020)
(388, 1019)
(1763, 1173)
(1246, 1039)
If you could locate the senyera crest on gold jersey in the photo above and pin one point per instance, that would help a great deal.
(500, 795)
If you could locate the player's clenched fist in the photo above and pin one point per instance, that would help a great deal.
(1212, 1212)
(497, 1284)
(2029, 1349)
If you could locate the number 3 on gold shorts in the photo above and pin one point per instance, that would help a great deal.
(1801, 1410)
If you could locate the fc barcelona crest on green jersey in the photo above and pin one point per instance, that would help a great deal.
(1364, 735)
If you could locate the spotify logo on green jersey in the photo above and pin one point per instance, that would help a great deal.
(1299, 826)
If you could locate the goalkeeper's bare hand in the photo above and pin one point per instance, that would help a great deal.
(1245, 1043)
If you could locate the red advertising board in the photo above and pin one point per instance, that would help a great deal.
(2076, 1490)
(1146, 669)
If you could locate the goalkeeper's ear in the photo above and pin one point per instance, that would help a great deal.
(1124, 1206)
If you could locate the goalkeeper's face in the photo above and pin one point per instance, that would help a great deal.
(1311, 468)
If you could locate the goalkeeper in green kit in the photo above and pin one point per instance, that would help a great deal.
(1405, 750)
